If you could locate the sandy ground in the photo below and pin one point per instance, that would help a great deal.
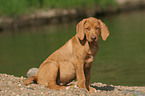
(14, 86)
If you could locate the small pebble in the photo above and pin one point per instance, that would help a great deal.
(21, 89)
(98, 91)
(22, 77)
(42, 86)
(42, 93)
(30, 88)
(19, 84)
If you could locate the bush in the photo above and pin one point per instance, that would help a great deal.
(17, 7)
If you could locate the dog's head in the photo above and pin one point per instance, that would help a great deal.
(91, 28)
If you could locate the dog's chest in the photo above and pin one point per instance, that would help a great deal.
(88, 61)
(91, 50)
(90, 53)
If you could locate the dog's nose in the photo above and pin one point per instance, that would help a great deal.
(93, 37)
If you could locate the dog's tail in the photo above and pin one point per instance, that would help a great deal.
(30, 80)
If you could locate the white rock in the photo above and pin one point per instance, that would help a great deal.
(32, 72)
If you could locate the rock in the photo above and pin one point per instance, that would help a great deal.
(19, 85)
(32, 72)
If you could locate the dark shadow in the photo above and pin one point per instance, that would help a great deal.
(104, 88)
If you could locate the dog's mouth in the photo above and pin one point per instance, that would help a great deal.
(92, 43)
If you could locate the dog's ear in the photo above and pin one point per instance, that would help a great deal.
(104, 30)
(80, 29)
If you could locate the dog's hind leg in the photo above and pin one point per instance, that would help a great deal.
(30, 80)
(48, 74)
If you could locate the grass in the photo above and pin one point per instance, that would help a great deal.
(18, 7)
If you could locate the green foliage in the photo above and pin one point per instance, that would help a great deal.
(17, 7)
(13, 7)
(105, 3)
(76, 3)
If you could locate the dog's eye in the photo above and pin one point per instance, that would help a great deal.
(97, 28)
(87, 28)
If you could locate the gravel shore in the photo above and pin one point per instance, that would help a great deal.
(14, 86)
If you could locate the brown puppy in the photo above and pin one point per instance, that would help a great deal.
(73, 60)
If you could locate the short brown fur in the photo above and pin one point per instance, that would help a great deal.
(74, 59)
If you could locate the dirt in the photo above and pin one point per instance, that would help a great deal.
(14, 86)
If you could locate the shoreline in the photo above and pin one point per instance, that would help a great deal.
(14, 86)
(53, 16)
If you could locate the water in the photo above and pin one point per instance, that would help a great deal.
(120, 60)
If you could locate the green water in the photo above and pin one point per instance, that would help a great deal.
(120, 60)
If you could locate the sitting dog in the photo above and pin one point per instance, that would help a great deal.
(74, 59)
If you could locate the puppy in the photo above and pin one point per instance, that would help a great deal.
(74, 59)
